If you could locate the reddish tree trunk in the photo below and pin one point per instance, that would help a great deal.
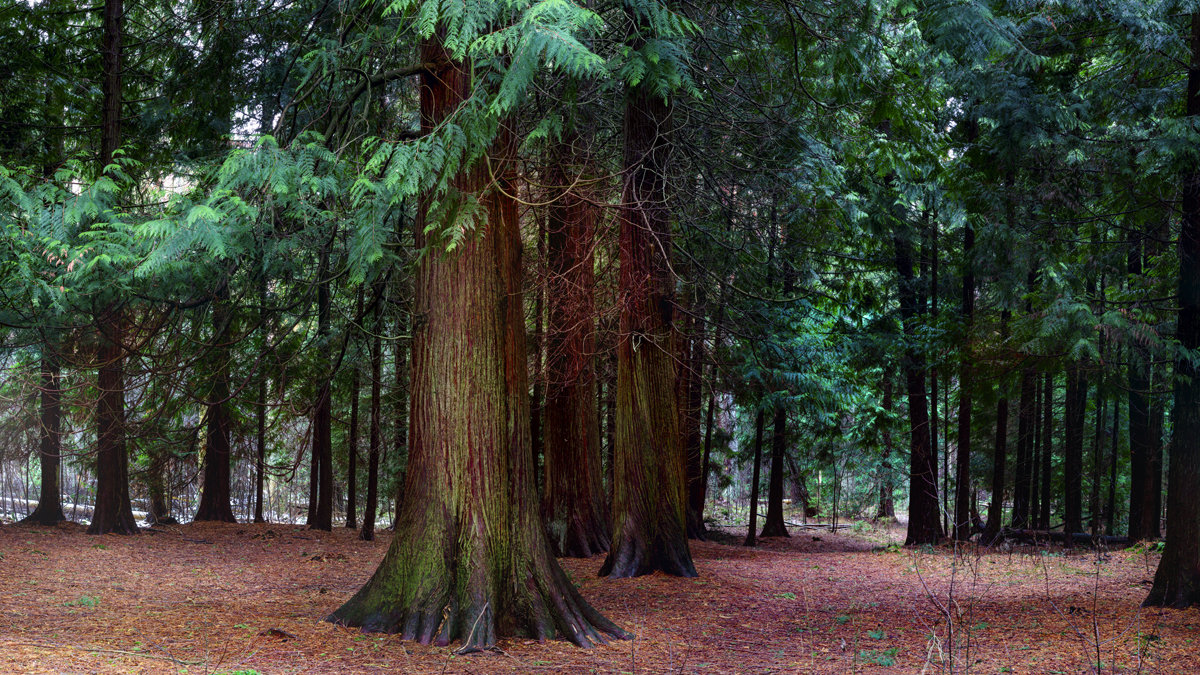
(573, 503)
(759, 421)
(215, 493)
(774, 525)
(470, 559)
(649, 473)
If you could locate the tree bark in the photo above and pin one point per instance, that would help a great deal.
(470, 559)
(215, 493)
(49, 509)
(649, 472)
(962, 467)
(759, 420)
(1047, 450)
(887, 502)
(1143, 516)
(322, 443)
(924, 519)
(574, 504)
(1177, 580)
(774, 526)
(113, 512)
(1073, 418)
(375, 432)
(352, 434)
(999, 453)
(1023, 476)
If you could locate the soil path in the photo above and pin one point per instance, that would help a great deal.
(211, 598)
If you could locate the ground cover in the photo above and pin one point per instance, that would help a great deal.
(216, 598)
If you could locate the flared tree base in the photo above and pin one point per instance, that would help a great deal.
(634, 558)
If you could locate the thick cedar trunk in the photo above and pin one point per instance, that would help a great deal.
(1177, 581)
(649, 473)
(887, 502)
(375, 434)
(215, 493)
(759, 420)
(962, 473)
(924, 520)
(49, 509)
(470, 559)
(774, 526)
(113, 512)
(999, 453)
(1043, 519)
(574, 504)
(322, 442)
(1073, 418)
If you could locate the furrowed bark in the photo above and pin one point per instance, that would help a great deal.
(574, 504)
(470, 559)
(649, 473)
(215, 492)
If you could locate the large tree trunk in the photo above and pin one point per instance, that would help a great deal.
(215, 493)
(1073, 418)
(924, 519)
(470, 559)
(962, 473)
(113, 512)
(574, 505)
(1177, 581)
(774, 525)
(649, 473)
(49, 509)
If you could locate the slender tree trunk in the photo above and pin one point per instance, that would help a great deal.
(774, 525)
(1073, 419)
(759, 421)
(1177, 581)
(693, 446)
(924, 520)
(1035, 454)
(698, 494)
(999, 453)
(649, 474)
(402, 395)
(1047, 450)
(1023, 478)
(215, 494)
(1110, 510)
(537, 405)
(49, 509)
(322, 412)
(1097, 458)
(574, 504)
(1143, 516)
(887, 502)
(470, 559)
(260, 441)
(962, 473)
(113, 512)
(352, 432)
(375, 433)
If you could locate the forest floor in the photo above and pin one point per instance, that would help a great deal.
(211, 598)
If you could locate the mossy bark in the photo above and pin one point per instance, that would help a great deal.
(574, 504)
(470, 560)
(649, 467)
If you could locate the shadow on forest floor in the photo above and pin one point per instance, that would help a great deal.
(206, 598)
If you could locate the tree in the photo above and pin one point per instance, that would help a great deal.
(1177, 580)
(470, 557)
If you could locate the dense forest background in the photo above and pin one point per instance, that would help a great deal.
(527, 278)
